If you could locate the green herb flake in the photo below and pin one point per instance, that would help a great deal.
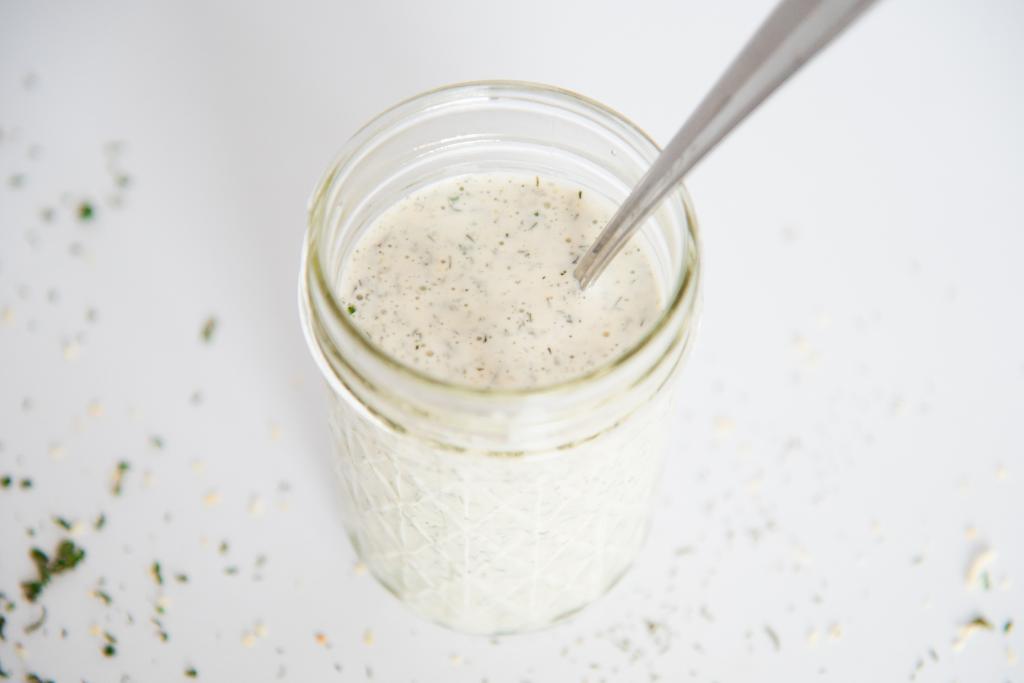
(191, 672)
(62, 523)
(34, 678)
(1008, 626)
(103, 596)
(26, 483)
(86, 211)
(118, 479)
(209, 328)
(181, 578)
(580, 194)
(3, 623)
(5, 481)
(351, 309)
(37, 624)
(109, 650)
(100, 522)
(67, 557)
(157, 574)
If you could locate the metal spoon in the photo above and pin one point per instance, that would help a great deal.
(795, 31)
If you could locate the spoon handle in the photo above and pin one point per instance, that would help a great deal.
(793, 33)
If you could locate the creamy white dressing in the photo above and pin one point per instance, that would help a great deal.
(470, 281)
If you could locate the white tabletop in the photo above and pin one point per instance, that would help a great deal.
(852, 438)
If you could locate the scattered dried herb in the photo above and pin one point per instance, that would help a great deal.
(66, 558)
(156, 442)
(62, 523)
(5, 481)
(37, 624)
(191, 672)
(351, 309)
(208, 329)
(157, 573)
(119, 473)
(100, 522)
(161, 632)
(181, 578)
(103, 596)
(26, 483)
(86, 211)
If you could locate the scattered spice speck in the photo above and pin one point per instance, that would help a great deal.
(211, 499)
(968, 630)
(71, 351)
(156, 573)
(256, 507)
(320, 639)
(976, 569)
(368, 638)
(117, 485)
(208, 329)
(86, 211)
(66, 557)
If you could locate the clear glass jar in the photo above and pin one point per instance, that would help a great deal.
(495, 511)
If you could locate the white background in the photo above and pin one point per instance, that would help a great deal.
(853, 432)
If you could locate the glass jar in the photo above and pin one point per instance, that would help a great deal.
(495, 510)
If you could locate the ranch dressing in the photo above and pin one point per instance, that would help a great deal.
(470, 281)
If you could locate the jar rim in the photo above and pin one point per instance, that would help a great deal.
(312, 272)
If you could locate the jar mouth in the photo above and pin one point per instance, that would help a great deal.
(313, 276)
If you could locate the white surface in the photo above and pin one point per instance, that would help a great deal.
(855, 397)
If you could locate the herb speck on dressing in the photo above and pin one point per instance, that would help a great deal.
(469, 280)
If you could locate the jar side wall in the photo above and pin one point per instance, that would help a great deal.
(486, 545)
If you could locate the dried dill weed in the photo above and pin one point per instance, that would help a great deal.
(470, 280)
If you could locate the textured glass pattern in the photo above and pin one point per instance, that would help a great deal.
(492, 544)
